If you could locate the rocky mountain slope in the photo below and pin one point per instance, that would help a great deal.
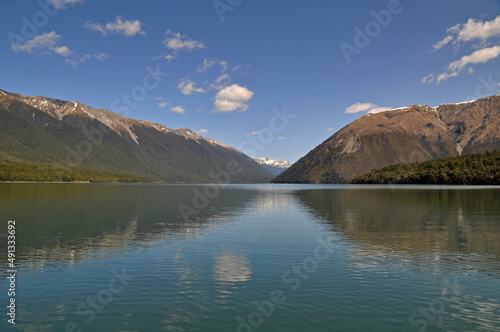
(408, 134)
(70, 134)
(275, 167)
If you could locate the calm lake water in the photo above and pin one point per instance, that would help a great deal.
(252, 258)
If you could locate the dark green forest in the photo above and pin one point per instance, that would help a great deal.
(29, 172)
(474, 169)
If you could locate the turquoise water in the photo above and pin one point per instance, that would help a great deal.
(252, 257)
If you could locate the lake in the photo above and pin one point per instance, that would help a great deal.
(153, 257)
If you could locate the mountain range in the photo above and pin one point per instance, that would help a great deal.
(275, 167)
(46, 131)
(43, 131)
(407, 134)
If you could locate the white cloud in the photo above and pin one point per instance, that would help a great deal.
(479, 29)
(479, 56)
(47, 43)
(77, 60)
(62, 51)
(281, 137)
(455, 68)
(446, 40)
(163, 104)
(221, 82)
(253, 132)
(179, 42)
(61, 4)
(236, 68)
(202, 131)
(365, 107)
(178, 109)
(188, 87)
(444, 76)
(471, 30)
(128, 28)
(102, 56)
(329, 129)
(359, 107)
(168, 57)
(465, 32)
(209, 63)
(232, 98)
(429, 78)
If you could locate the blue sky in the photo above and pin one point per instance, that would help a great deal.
(223, 66)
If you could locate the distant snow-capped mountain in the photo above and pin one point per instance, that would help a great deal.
(273, 162)
(276, 167)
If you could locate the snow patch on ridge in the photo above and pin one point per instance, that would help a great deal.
(397, 109)
(461, 103)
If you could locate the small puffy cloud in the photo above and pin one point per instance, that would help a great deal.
(281, 137)
(168, 57)
(365, 107)
(232, 98)
(253, 132)
(179, 42)
(209, 63)
(128, 28)
(77, 60)
(202, 131)
(178, 109)
(188, 87)
(61, 4)
(62, 51)
(163, 104)
(455, 68)
(102, 56)
(47, 43)
(329, 129)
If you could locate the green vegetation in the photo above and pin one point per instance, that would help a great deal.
(31, 136)
(475, 169)
(27, 172)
